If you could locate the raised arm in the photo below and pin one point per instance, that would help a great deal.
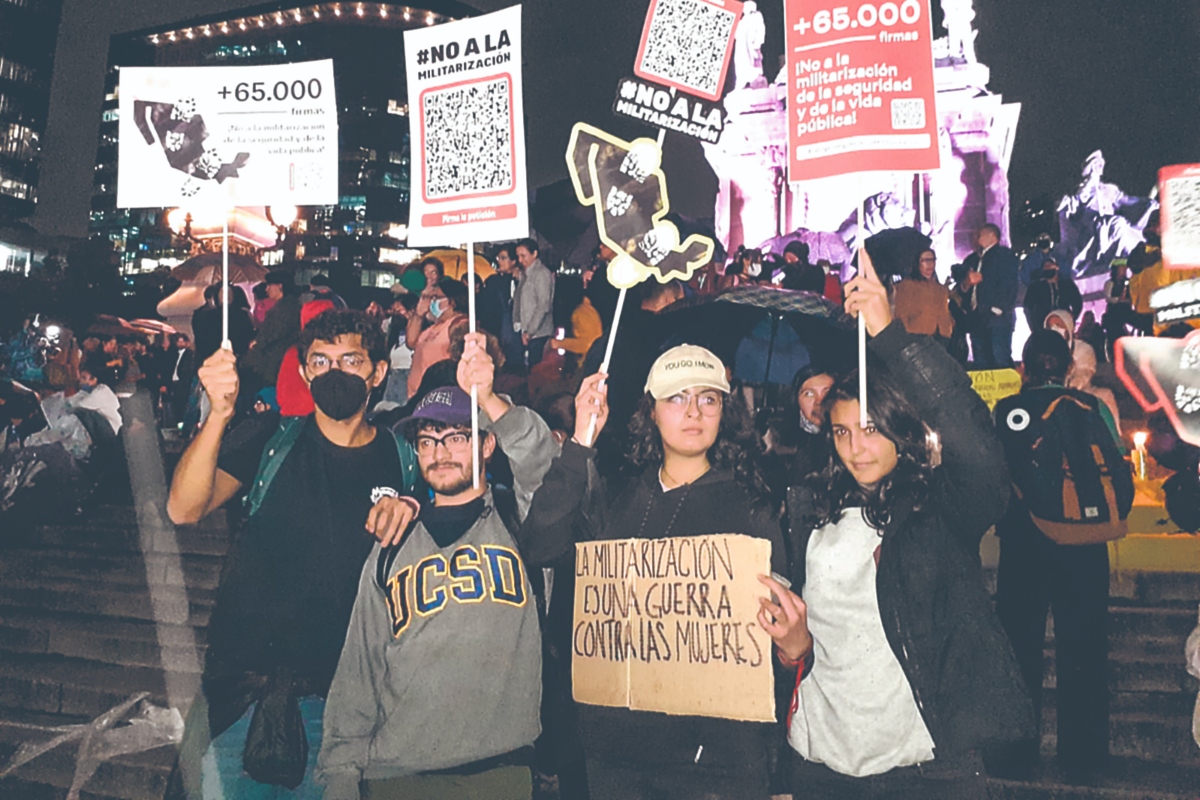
(525, 439)
(569, 505)
(972, 482)
(199, 487)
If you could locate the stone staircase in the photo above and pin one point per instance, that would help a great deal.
(92, 611)
(1150, 728)
(115, 602)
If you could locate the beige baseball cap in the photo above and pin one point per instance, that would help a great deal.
(686, 367)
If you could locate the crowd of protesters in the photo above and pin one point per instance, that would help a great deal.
(392, 624)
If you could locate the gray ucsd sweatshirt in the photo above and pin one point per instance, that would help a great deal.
(444, 668)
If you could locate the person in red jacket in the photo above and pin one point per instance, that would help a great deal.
(291, 392)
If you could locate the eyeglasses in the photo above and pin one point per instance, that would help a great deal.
(454, 442)
(709, 403)
(928, 259)
(319, 363)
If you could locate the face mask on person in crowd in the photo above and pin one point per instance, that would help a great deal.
(754, 269)
(808, 426)
(339, 395)
(436, 308)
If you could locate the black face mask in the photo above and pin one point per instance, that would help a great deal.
(338, 394)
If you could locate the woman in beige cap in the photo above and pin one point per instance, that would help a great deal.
(695, 453)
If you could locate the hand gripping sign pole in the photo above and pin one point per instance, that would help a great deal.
(608, 351)
(625, 184)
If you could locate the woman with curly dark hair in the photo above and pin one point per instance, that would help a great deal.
(904, 673)
(697, 455)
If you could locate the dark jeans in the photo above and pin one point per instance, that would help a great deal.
(609, 781)
(501, 783)
(1037, 575)
(991, 339)
(963, 779)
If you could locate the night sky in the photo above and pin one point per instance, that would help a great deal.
(1118, 75)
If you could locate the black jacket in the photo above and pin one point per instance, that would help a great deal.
(935, 610)
(1044, 297)
(573, 504)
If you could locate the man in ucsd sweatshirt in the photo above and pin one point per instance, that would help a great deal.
(439, 684)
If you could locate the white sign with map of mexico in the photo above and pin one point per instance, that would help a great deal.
(467, 124)
(228, 136)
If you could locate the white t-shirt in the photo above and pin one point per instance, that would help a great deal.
(401, 357)
(856, 712)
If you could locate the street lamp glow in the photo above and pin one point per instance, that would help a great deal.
(284, 216)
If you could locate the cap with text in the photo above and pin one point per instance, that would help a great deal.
(686, 367)
(448, 405)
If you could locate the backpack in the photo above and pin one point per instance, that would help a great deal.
(280, 444)
(1065, 465)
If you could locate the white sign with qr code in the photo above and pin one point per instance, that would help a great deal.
(687, 44)
(1179, 194)
(467, 131)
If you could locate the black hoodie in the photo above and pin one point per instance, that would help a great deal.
(573, 498)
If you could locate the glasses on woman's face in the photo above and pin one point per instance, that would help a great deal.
(454, 442)
(928, 259)
(709, 403)
(319, 363)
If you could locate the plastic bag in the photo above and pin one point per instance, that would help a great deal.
(64, 428)
(276, 749)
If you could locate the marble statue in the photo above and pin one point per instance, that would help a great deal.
(747, 47)
(957, 17)
(1099, 222)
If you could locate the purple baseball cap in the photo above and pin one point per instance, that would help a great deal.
(449, 405)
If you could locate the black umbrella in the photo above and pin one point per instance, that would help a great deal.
(725, 322)
(895, 250)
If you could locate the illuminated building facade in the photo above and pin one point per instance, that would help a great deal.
(364, 233)
(28, 35)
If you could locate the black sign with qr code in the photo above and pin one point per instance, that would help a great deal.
(662, 107)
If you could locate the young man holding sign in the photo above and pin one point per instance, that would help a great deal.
(287, 589)
(699, 480)
(439, 686)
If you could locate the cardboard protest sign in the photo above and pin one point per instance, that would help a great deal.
(993, 385)
(1179, 224)
(1164, 374)
(661, 107)
(625, 184)
(687, 44)
(227, 136)
(670, 625)
(861, 92)
(467, 131)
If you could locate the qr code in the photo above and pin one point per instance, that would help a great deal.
(1182, 196)
(686, 42)
(908, 114)
(468, 139)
